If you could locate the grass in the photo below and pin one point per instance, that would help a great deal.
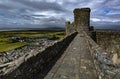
(11, 46)
(3, 42)
(117, 50)
(7, 43)
(5, 39)
(29, 33)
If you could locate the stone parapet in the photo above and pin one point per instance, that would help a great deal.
(37, 63)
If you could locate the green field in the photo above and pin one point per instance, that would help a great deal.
(7, 43)
(7, 47)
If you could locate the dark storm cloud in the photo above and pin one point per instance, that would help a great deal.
(42, 5)
(27, 13)
(106, 25)
(4, 7)
(50, 13)
(51, 22)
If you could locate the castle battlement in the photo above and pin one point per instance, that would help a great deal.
(82, 9)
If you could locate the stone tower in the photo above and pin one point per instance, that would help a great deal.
(82, 19)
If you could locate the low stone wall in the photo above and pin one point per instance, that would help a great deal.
(37, 63)
(109, 40)
(104, 65)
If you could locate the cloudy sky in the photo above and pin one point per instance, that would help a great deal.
(54, 13)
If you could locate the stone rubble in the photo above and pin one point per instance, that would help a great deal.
(103, 60)
(110, 69)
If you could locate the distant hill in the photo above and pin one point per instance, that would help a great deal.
(47, 28)
(54, 28)
(108, 27)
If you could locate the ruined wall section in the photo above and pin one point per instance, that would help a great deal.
(106, 68)
(108, 39)
(70, 28)
(92, 33)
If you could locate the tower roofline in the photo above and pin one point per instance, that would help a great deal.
(82, 9)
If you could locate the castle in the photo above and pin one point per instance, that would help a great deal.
(76, 56)
(108, 39)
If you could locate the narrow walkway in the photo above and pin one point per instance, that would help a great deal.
(75, 63)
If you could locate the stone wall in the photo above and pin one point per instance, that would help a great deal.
(82, 18)
(36, 64)
(103, 62)
(70, 28)
(109, 40)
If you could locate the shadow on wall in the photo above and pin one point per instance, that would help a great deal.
(38, 66)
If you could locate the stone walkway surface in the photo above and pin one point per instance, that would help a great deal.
(75, 63)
